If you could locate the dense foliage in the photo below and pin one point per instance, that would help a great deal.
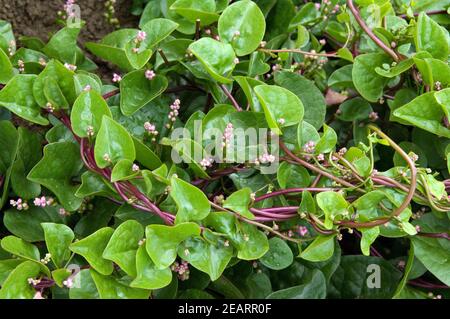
(343, 195)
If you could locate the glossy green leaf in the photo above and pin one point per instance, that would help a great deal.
(191, 202)
(113, 143)
(431, 37)
(282, 108)
(20, 248)
(61, 162)
(110, 287)
(279, 255)
(148, 275)
(136, 90)
(16, 286)
(6, 68)
(17, 96)
(320, 249)
(216, 57)
(332, 204)
(123, 245)
(87, 113)
(92, 247)
(242, 24)
(162, 241)
(313, 288)
(239, 202)
(58, 238)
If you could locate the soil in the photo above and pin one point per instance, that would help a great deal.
(38, 18)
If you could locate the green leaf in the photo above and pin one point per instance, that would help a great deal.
(320, 249)
(366, 80)
(364, 278)
(87, 113)
(157, 30)
(6, 267)
(56, 72)
(28, 154)
(282, 108)
(58, 238)
(136, 90)
(148, 275)
(311, 97)
(92, 247)
(313, 288)
(27, 224)
(216, 57)
(327, 141)
(113, 143)
(162, 241)
(145, 155)
(61, 162)
(84, 286)
(16, 286)
(192, 10)
(192, 203)
(239, 202)
(123, 245)
(123, 171)
(110, 287)
(426, 113)
(245, 19)
(63, 45)
(332, 204)
(369, 235)
(433, 253)
(8, 151)
(7, 71)
(19, 247)
(17, 96)
(292, 176)
(279, 255)
(211, 258)
(355, 109)
(431, 37)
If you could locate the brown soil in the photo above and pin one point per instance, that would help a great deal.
(38, 18)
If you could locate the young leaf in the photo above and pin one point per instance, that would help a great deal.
(239, 202)
(17, 96)
(87, 113)
(279, 255)
(281, 107)
(16, 286)
(123, 245)
(148, 275)
(162, 241)
(431, 37)
(242, 24)
(55, 170)
(320, 249)
(332, 204)
(113, 143)
(58, 238)
(110, 287)
(92, 247)
(191, 202)
(217, 58)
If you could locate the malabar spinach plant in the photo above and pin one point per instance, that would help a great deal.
(326, 174)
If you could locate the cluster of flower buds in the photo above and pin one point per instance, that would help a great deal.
(49, 107)
(38, 295)
(150, 74)
(265, 158)
(63, 212)
(151, 130)
(135, 168)
(207, 162)
(373, 116)
(106, 157)
(227, 135)
(309, 147)
(12, 45)
(46, 259)
(43, 201)
(69, 9)
(438, 86)
(116, 78)
(182, 269)
(302, 231)
(34, 282)
(327, 5)
(21, 66)
(141, 36)
(175, 107)
(70, 67)
(42, 62)
(68, 282)
(90, 131)
(110, 13)
(20, 204)
(141, 242)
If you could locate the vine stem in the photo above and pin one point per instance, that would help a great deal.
(328, 55)
(369, 32)
(294, 190)
(230, 97)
